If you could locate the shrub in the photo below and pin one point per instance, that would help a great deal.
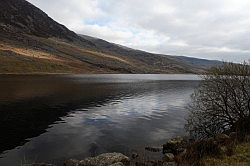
(221, 103)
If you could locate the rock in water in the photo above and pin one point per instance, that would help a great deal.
(174, 146)
(107, 159)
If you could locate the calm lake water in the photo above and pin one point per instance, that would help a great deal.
(51, 118)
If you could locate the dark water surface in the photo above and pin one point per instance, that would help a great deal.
(51, 118)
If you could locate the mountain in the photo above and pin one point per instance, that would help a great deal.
(198, 63)
(188, 62)
(32, 42)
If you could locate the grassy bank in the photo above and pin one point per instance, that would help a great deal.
(241, 157)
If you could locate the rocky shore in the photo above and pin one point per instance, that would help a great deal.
(177, 151)
(107, 159)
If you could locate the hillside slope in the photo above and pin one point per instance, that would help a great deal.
(32, 42)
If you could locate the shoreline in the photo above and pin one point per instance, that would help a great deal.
(221, 150)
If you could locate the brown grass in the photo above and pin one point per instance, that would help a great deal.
(241, 157)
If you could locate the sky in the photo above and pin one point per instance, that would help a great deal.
(211, 29)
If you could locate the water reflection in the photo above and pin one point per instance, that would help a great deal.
(53, 118)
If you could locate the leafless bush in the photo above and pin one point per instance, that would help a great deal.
(222, 102)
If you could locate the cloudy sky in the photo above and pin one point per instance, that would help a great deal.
(212, 29)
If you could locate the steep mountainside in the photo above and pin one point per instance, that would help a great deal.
(32, 42)
(21, 16)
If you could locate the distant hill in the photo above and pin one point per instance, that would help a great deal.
(199, 63)
(189, 62)
(32, 42)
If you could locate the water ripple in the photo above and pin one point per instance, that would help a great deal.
(50, 118)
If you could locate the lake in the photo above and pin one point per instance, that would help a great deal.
(51, 118)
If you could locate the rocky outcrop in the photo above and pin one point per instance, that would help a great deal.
(106, 159)
(21, 17)
(175, 145)
(27, 18)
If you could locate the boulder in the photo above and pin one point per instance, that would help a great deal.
(106, 159)
(168, 157)
(174, 146)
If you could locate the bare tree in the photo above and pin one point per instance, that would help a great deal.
(222, 102)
